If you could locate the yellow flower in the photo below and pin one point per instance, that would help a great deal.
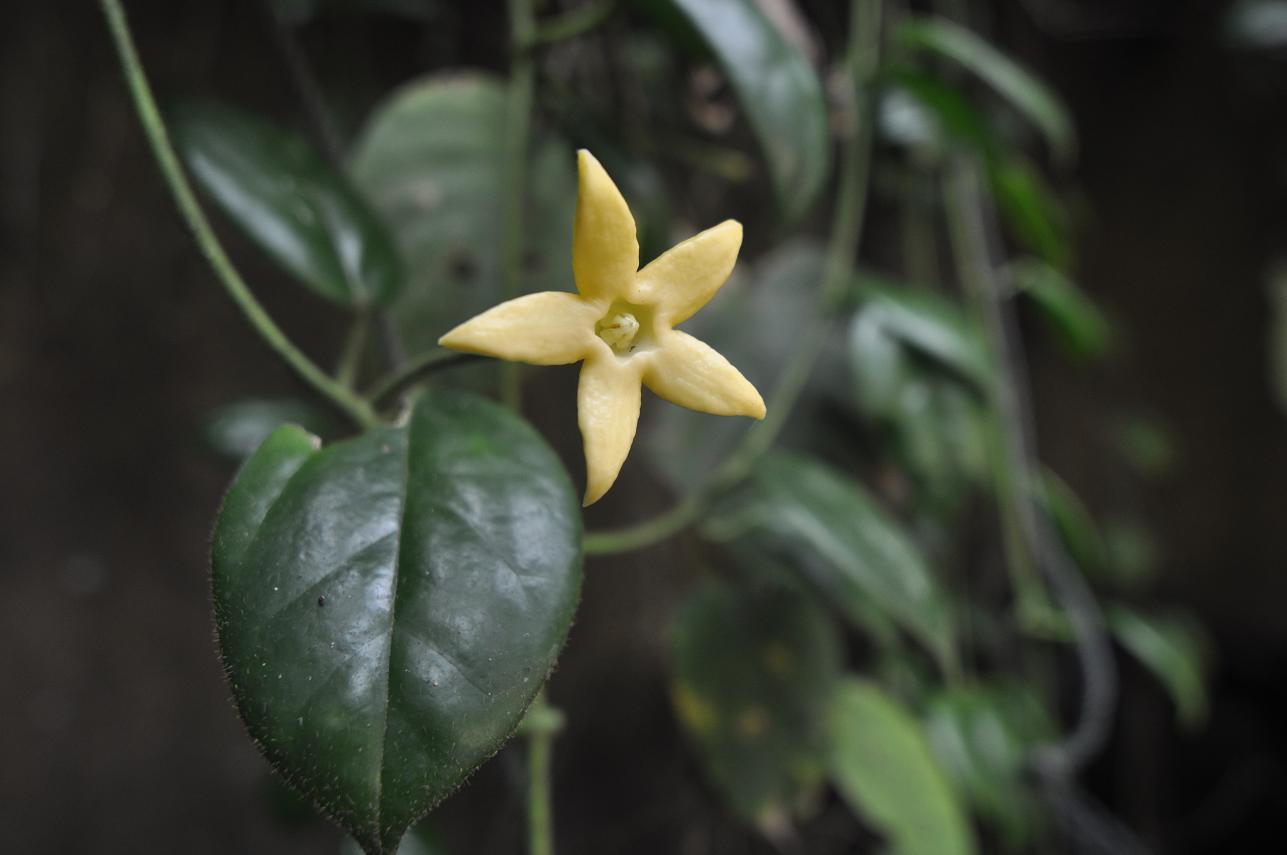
(622, 325)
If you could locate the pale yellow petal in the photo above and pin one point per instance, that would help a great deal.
(605, 250)
(692, 374)
(682, 279)
(608, 412)
(549, 328)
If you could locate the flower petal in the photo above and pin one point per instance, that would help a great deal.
(605, 250)
(692, 374)
(681, 280)
(549, 328)
(608, 412)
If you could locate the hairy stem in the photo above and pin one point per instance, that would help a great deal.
(163, 150)
(847, 223)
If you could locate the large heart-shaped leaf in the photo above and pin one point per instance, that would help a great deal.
(883, 767)
(754, 672)
(388, 606)
(779, 91)
(430, 159)
(304, 214)
(841, 543)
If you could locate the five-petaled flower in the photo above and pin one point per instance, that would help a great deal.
(621, 323)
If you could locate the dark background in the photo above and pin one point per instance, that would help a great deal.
(116, 734)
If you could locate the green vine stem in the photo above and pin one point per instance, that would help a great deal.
(851, 203)
(345, 399)
(518, 119)
(429, 362)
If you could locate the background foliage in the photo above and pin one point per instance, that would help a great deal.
(1168, 508)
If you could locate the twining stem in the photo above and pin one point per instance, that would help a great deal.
(426, 363)
(350, 361)
(851, 204)
(1014, 467)
(518, 118)
(163, 150)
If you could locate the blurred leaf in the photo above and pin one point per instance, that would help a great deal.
(1032, 210)
(755, 322)
(1073, 315)
(923, 112)
(941, 437)
(929, 324)
(778, 89)
(1174, 648)
(981, 734)
(1077, 528)
(840, 542)
(1132, 553)
(277, 189)
(236, 430)
(883, 767)
(465, 522)
(1029, 95)
(1145, 443)
(430, 159)
(1257, 25)
(753, 672)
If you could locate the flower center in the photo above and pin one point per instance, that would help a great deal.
(619, 330)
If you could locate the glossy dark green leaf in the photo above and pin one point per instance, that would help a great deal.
(981, 736)
(235, 430)
(778, 89)
(463, 526)
(1174, 647)
(1031, 210)
(278, 190)
(1074, 316)
(430, 159)
(421, 839)
(840, 542)
(753, 673)
(1023, 90)
(883, 767)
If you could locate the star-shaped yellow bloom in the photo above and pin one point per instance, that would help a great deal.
(622, 325)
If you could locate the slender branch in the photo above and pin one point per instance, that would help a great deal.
(969, 213)
(573, 23)
(328, 138)
(350, 361)
(518, 118)
(847, 223)
(423, 365)
(163, 150)
(540, 726)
